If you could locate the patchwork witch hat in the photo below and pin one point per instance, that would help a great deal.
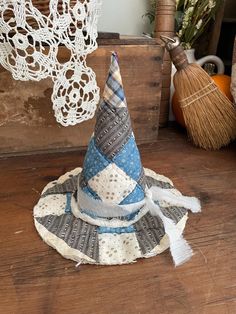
(113, 211)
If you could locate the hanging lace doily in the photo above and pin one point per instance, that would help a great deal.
(75, 95)
(29, 43)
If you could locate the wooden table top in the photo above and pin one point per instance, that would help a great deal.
(36, 279)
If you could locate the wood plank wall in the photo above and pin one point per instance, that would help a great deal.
(27, 123)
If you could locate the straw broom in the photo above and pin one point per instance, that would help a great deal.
(209, 115)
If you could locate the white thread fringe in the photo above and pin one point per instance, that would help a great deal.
(180, 249)
(78, 265)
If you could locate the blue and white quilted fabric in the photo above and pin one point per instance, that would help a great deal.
(112, 170)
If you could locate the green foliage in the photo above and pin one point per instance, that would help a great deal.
(151, 14)
(191, 19)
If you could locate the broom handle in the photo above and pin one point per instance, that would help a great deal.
(179, 58)
(177, 53)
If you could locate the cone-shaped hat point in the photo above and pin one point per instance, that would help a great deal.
(112, 169)
(114, 94)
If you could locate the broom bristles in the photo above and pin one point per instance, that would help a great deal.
(209, 115)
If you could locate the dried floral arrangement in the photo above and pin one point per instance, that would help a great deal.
(192, 17)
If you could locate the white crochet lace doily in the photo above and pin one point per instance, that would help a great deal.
(29, 43)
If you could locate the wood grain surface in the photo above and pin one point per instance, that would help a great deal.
(215, 29)
(165, 25)
(27, 122)
(234, 52)
(35, 279)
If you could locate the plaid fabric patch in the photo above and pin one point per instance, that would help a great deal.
(114, 92)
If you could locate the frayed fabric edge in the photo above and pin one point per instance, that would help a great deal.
(180, 249)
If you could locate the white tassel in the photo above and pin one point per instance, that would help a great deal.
(181, 251)
(179, 247)
(78, 265)
(191, 203)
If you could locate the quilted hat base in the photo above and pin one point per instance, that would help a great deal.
(86, 240)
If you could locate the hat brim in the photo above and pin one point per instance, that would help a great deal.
(102, 241)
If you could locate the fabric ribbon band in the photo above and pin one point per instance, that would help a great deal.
(105, 209)
(179, 247)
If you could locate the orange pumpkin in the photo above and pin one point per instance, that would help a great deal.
(177, 111)
(222, 81)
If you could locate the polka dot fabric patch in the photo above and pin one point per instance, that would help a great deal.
(118, 248)
(94, 161)
(129, 159)
(112, 184)
(136, 196)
